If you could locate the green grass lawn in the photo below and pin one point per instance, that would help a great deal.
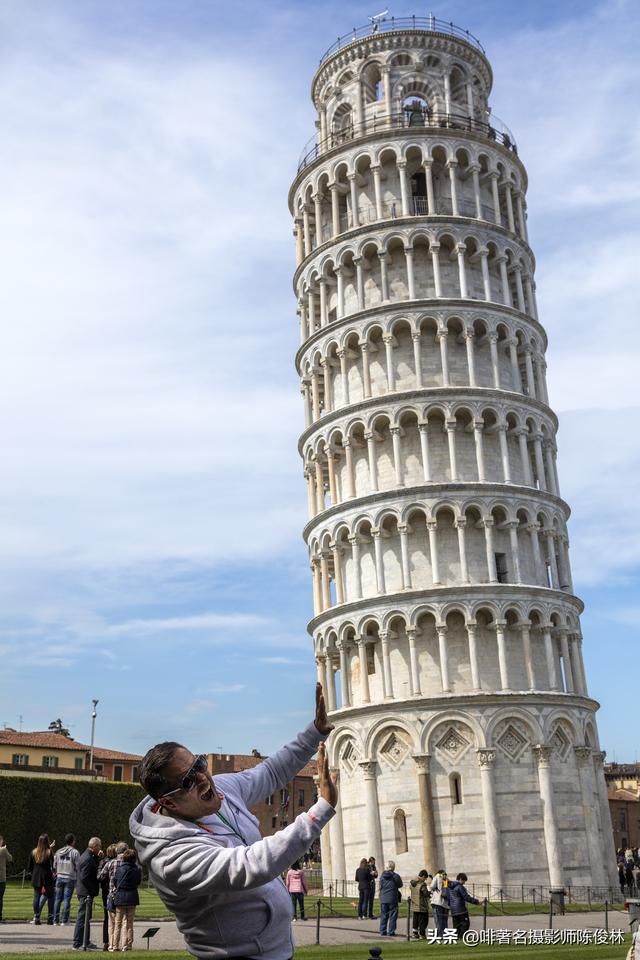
(404, 951)
(18, 904)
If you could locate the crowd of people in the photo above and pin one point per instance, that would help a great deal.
(112, 874)
(445, 896)
(628, 870)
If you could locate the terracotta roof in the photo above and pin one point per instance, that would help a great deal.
(40, 739)
(622, 794)
(246, 761)
(44, 738)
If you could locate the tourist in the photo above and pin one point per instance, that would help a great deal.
(105, 873)
(42, 880)
(363, 879)
(419, 894)
(87, 887)
(65, 866)
(205, 855)
(440, 902)
(126, 881)
(459, 897)
(373, 876)
(5, 858)
(297, 887)
(622, 876)
(390, 883)
(628, 875)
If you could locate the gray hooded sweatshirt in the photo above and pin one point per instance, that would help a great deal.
(223, 883)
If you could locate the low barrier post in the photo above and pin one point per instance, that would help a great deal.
(606, 915)
(484, 913)
(409, 918)
(318, 905)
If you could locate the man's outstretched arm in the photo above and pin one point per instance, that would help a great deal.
(286, 763)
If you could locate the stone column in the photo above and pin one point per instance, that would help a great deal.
(460, 525)
(306, 396)
(317, 586)
(330, 684)
(397, 455)
(566, 661)
(434, 249)
(444, 359)
(486, 278)
(495, 361)
(324, 315)
(589, 797)
(386, 666)
(512, 343)
(373, 832)
(414, 669)
(311, 493)
(532, 530)
(514, 526)
(478, 427)
(373, 468)
(345, 693)
(326, 582)
(551, 559)
(359, 282)
(353, 192)
(542, 754)
(417, 359)
(348, 454)
(364, 673)
(547, 446)
(384, 280)
(337, 570)
(355, 556)
(344, 375)
(487, 523)
(411, 286)
(504, 452)
(331, 468)
(366, 372)
(319, 485)
(469, 337)
(496, 197)
(486, 761)
(608, 849)
(423, 429)
(428, 176)
(403, 530)
(298, 234)
(525, 632)
(315, 394)
(451, 166)
(519, 289)
(450, 427)
(444, 660)
(509, 198)
(375, 169)
(475, 175)
(462, 272)
(550, 655)
(388, 351)
(427, 820)
(325, 852)
(432, 527)
(377, 547)
(522, 433)
(320, 670)
(335, 209)
(326, 379)
(522, 223)
(505, 683)
(340, 285)
(473, 654)
(307, 230)
(337, 836)
(404, 192)
(528, 367)
(504, 281)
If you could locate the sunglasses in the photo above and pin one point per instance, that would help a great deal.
(190, 778)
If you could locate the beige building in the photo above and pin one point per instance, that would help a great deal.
(42, 752)
(446, 629)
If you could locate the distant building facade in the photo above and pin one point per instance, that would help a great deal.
(280, 808)
(37, 753)
(623, 785)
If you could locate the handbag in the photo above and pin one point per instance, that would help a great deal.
(111, 899)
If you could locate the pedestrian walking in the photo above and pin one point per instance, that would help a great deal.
(459, 897)
(390, 883)
(65, 867)
(106, 879)
(373, 876)
(363, 879)
(126, 881)
(440, 902)
(5, 858)
(42, 878)
(87, 887)
(297, 887)
(205, 854)
(419, 893)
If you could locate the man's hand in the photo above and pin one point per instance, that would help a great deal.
(322, 723)
(327, 788)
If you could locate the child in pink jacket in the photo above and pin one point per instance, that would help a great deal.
(297, 887)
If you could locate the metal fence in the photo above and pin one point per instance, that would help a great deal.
(385, 24)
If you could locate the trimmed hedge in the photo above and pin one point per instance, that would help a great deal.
(30, 806)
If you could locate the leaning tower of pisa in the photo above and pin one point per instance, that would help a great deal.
(445, 629)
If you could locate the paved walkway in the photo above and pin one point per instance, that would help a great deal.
(24, 938)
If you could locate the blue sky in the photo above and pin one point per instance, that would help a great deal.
(151, 496)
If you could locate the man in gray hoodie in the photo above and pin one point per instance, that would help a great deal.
(204, 852)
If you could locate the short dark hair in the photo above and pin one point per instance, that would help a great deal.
(69, 839)
(153, 766)
(462, 877)
(423, 873)
(129, 856)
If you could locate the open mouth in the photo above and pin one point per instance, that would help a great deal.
(207, 794)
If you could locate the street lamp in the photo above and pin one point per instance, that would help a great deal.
(93, 730)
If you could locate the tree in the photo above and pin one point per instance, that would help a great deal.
(57, 726)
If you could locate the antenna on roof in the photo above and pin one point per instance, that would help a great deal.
(376, 20)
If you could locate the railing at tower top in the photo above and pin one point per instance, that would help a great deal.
(386, 24)
(495, 131)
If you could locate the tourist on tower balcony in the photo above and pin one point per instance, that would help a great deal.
(390, 883)
(204, 852)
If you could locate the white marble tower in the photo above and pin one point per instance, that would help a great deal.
(445, 626)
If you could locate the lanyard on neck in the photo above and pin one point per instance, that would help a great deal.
(235, 832)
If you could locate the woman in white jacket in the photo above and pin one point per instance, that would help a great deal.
(440, 902)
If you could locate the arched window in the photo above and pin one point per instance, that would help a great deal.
(455, 782)
(400, 831)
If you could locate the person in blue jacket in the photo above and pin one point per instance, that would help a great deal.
(390, 883)
(459, 897)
